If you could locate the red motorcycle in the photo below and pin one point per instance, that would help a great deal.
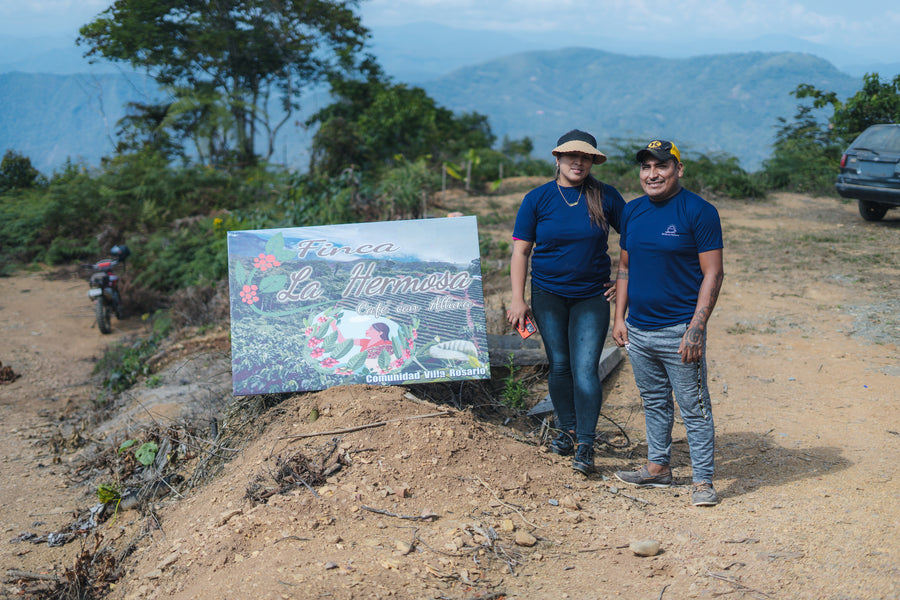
(105, 287)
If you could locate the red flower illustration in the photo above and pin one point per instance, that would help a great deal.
(266, 261)
(248, 294)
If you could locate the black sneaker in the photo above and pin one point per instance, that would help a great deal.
(584, 459)
(642, 477)
(704, 494)
(563, 444)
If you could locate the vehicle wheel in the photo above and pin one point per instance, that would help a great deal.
(101, 310)
(872, 211)
(120, 310)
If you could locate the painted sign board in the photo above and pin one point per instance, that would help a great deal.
(385, 303)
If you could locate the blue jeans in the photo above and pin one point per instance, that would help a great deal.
(573, 330)
(658, 372)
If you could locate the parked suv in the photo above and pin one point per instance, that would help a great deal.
(870, 171)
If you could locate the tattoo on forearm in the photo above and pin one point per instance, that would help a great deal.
(693, 337)
(622, 274)
(702, 316)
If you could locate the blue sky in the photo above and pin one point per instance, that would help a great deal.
(867, 29)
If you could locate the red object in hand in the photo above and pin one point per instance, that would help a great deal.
(528, 328)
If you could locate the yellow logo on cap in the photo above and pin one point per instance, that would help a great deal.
(654, 144)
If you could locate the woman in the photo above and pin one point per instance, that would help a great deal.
(377, 340)
(566, 223)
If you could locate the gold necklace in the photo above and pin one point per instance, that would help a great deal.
(580, 191)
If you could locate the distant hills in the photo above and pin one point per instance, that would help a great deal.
(51, 118)
(725, 102)
(718, 103)
(422, 51)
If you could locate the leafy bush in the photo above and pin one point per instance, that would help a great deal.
(721, 174)
(122, 364)
(703, 174)
(488, 167)
(403, 188)
(515, 392)
(22, 215)
(195, 253)
(323, 200)
(621, 173)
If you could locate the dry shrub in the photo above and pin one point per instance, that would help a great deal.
(200, 305)
(139, 300)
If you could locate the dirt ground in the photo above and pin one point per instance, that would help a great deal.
(422, 500)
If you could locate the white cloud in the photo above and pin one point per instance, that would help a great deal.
(660, 20)
(830, 22)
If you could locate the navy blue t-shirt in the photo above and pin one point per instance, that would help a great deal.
(663, 240)
(570, 255)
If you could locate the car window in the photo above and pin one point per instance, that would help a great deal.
(880, 138)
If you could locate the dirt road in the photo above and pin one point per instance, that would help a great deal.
(805, 375)
(50, 341)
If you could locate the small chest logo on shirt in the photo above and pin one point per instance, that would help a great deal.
(671, 231)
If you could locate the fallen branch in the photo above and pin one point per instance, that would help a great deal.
(737, 584)
(418, 539)
(443, 413)
(635, 498)
(16, 575)
(506, 504)
(587, 550)
(492, 596)
(428, 517)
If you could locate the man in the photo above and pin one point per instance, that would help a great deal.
(670, 273)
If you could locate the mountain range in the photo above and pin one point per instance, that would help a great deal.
(54, 106)
(708, 104)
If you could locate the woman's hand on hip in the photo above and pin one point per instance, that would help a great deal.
(610, 291)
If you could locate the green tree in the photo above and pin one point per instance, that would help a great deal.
(373, 121)
(807, 151)
(805, 155)
(16, 172)
(517, 149)
(144, 128)
(249, 56)
(876, 102)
